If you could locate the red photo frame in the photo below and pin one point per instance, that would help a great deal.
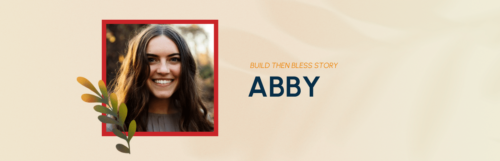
(216, 72)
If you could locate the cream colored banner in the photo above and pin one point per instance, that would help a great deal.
(415, 80)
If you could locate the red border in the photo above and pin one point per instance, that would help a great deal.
(216, 72)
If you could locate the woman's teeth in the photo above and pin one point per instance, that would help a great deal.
(163, 81)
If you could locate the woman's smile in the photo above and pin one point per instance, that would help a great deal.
(163, 82)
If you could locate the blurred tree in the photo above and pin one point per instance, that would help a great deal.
(195, 33)
(118, 36)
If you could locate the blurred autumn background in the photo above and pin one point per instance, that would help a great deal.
(200, 41)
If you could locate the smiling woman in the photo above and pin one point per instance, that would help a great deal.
(164, 66)
(157, 82)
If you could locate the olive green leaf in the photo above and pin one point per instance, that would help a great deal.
(114, 102)
(105, 119)
(105, 110)
(122, 148)
(91, 98)
(104, 91)
(122, 112)
(83, 81)
(119, 134)
(131, 130)
(111, 101)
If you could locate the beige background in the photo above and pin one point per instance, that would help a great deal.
(416, 80)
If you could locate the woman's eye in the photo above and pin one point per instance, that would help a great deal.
(175, 59)
(151, 60)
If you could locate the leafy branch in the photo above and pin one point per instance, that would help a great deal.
(112, 109)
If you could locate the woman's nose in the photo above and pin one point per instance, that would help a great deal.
(164, 68)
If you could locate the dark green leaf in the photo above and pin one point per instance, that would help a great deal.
(131, 130)
(122, 148)
(105, 110)
(104, 91)
(85, 82)
(106, 119)
(122, 112)
(119, 134)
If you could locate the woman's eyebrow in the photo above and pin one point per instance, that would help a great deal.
(153, 55)
(173, 54)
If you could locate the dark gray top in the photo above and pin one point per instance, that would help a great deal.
(163, 122)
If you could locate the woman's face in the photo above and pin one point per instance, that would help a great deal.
(165, 66)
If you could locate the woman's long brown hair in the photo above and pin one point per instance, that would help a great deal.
(131, 88)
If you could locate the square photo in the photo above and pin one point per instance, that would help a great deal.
(165, 71)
